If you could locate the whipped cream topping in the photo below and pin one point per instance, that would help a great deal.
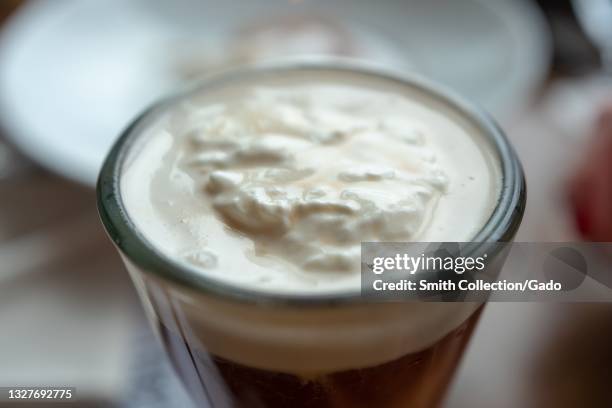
(274, 185)
(295, 170)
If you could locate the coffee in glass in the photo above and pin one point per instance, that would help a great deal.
(239, 209)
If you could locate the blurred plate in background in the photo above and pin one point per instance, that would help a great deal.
(73, 73)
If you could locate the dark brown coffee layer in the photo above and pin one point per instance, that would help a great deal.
(414, 380)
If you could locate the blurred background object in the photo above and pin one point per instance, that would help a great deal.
(573, 52)
(591, 187)
(573, 367)
(73, 73)
(595, 17)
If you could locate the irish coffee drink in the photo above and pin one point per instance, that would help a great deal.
(240, 209)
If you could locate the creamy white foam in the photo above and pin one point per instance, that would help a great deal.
(273, 183)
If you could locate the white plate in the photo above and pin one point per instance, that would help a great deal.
(74, 72)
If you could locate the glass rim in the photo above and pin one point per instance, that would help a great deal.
(500, 227)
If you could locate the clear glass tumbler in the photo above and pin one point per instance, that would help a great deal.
(233, 347)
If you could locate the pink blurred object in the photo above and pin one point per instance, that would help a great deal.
(591, 187)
